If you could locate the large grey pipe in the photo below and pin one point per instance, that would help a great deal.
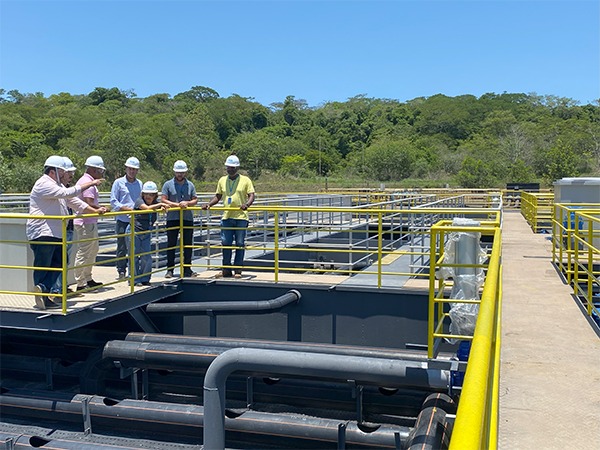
(317, 347)
(187, 420)
(196, 358)
(226, 306)
(362, 370)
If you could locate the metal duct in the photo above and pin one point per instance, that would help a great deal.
(225, 306)
(188, 420)
(362, 370)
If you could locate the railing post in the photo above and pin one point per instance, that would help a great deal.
(276, 246)
(379, 246)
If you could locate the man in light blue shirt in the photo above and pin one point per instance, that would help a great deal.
(125, 191)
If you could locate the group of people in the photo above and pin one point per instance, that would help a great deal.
(53, 195)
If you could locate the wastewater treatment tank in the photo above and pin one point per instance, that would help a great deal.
(577, 190)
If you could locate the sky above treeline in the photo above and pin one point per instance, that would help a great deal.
(315, 50)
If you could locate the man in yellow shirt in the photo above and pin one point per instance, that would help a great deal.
(237, 192)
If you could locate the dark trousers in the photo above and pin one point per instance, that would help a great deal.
(46, 255)
(188, 239)
(121, 228)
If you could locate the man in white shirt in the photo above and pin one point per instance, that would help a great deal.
(50, 198)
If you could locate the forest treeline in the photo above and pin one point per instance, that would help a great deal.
(463, 141)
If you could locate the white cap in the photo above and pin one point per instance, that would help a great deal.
(132, 162)
(232, 161)
(55, 161)
(149, 187)
(68, 165)
(95, 161)
(180, 166)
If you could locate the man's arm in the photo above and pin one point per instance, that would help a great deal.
(213, 201)
(248, 203)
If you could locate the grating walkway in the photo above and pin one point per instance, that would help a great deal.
(550, 363)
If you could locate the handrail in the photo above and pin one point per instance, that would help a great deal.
(280, 227)
(477, 416)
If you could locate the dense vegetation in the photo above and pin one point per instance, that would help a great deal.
(462, 141)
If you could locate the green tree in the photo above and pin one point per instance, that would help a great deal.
(475, 174)
(561, 161)
(390, 160)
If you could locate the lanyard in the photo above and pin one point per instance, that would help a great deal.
(232, 185)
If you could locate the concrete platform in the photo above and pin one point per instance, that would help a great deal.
(550, 363)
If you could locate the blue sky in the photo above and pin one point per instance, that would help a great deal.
(314, 50)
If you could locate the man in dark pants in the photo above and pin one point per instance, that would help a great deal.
(50, 198)
(179, 192)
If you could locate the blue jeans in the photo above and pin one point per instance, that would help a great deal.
(120, 228)
(46, 255)
(233, 229)
(142, 263)
(57, 288)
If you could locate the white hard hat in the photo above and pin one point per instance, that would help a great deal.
(180, 166)
(55, 161)
(95, 161)
(68, 165)
(132, 162)
(149, 187)
(232, 161)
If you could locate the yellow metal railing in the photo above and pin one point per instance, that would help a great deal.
(282, 228)
(537, 209)
(576, 251)
(477, 417)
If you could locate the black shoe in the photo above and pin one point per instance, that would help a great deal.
(169, 273)
(40, 300)
(94, 284)
(190, 274)
(81, 288)
(49, 304)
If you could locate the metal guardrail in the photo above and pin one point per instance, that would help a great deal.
(476, 424)
(277, 229)
(576, 251)
(537, 210)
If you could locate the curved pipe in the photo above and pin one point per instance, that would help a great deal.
(432, 430)
(226, 306)
(363, 370)
(196, 358)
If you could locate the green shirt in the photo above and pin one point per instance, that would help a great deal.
(235, 194)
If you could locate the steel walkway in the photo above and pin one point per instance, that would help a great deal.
(550, 362)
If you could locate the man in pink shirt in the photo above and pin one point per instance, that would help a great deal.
(86, 229)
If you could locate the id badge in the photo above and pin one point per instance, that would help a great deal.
(229, 200)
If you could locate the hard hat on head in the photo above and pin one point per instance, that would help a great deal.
(180, 166)
(55, 161)
(95, 161)
(232, 161)
(68, 165)
(149, 187)
(132, 162)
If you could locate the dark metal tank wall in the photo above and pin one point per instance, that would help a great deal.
(341, 315)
